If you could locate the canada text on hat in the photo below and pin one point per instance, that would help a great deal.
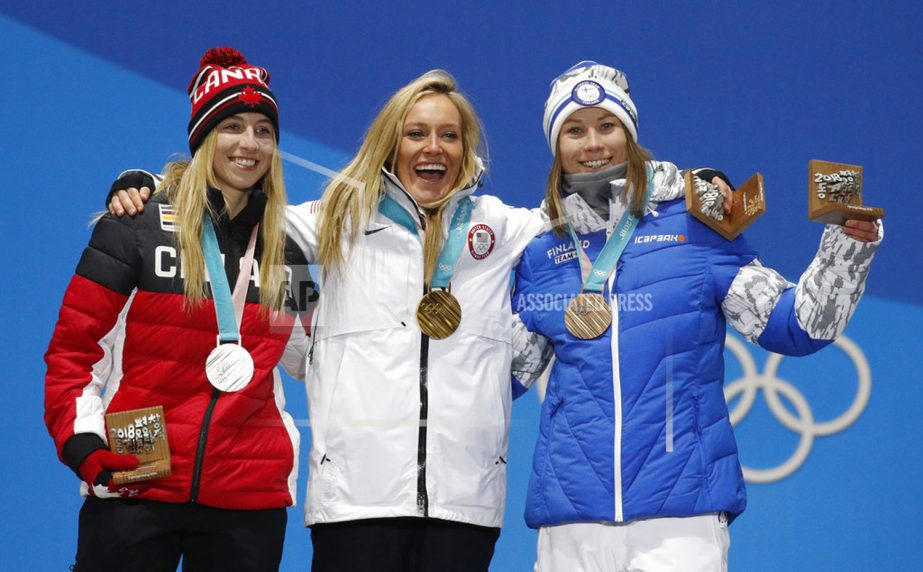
(220, 78)
(588, 84)
(224, 86)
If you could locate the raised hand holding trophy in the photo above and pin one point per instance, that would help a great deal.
(142, 433)
(705, 202)
(835, 193)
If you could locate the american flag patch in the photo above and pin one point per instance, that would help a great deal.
(480, 241)
(168, 220)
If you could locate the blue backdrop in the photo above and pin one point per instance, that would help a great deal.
(744, 86)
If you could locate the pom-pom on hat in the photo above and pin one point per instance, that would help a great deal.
(588, 84)
(224, 86)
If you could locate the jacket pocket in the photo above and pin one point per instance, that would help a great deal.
(329, 479)
(324, 483)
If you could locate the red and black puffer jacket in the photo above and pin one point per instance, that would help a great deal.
(124, 340)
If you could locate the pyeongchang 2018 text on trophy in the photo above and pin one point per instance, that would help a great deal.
(705, 202)
(835, 193)
(142, 433)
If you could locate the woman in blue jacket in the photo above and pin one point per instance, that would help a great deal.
(636, 465)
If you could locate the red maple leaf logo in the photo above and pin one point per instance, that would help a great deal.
(249, 96)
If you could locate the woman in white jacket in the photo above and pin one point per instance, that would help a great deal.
(410, 402)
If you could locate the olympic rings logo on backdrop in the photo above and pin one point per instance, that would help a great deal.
(774, 388)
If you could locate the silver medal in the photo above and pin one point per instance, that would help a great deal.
(229, 367)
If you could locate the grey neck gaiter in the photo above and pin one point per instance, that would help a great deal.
(594, 188)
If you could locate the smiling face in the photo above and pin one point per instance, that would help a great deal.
(243, 151)
(431, 149)
(592, 139)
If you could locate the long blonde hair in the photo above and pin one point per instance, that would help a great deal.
(185, 185)
(635, 183)
(352, 197)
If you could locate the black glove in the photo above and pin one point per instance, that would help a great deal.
(136, 179)
(704, 174)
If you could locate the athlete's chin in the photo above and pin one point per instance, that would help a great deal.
(424, 195)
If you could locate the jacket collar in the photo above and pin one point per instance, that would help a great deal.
(584, 219)
(245, 219)
(395, 189)
(595, 188)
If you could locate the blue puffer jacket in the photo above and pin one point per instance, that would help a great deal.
(634, 423)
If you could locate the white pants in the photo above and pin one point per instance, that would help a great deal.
(690, 544)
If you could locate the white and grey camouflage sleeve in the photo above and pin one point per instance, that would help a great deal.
(752, 296)
(531, 353)
(825, 297)
(829, 290)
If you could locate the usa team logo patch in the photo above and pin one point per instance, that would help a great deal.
(588, 92)
(481, 241)
(168, 220)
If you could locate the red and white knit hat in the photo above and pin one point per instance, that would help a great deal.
(224, 86)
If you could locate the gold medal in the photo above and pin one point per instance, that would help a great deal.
(588, 316)
(438, 314)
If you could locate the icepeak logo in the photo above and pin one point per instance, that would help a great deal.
(678, 238)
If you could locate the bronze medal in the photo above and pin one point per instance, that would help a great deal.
(438, 314)
(588, 316)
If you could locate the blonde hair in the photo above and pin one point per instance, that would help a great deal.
(185, 187)
(352, 197)
(635, 183)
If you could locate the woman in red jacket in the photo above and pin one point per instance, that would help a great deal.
(149, 319)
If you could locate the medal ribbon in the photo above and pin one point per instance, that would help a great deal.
(451, 250)
(229, 309)
(595, 276)
(398, 214)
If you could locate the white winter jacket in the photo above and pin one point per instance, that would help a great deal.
(405, 425)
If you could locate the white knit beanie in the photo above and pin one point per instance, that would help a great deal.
(588, 84)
